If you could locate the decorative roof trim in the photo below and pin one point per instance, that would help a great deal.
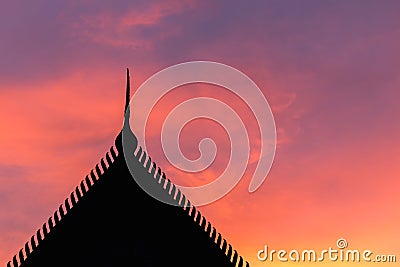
(64, 209)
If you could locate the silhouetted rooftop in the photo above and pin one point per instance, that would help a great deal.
(108, 220)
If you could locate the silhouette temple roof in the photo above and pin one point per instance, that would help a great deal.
(108, 220)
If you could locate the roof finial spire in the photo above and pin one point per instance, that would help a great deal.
(128, 89)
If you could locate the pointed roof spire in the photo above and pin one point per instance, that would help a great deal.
(128, 89)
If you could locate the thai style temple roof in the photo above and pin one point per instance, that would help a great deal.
(108, 220)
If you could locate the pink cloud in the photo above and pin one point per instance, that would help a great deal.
(125, 29)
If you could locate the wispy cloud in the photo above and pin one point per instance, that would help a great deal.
(130, 27)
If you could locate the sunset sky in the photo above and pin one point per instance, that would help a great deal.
(329, 70)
